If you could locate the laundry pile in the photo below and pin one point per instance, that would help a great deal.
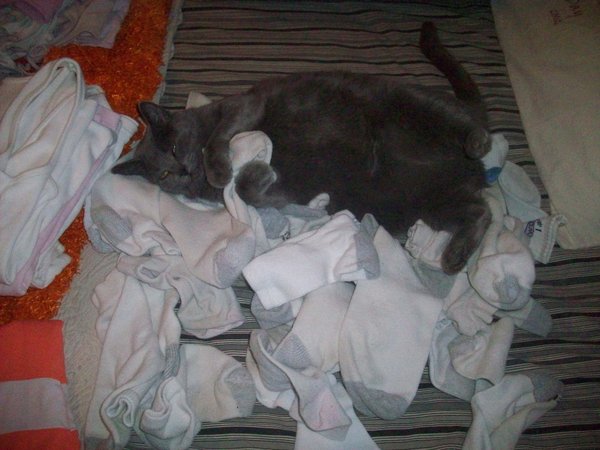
(348, 317)
(57, 136)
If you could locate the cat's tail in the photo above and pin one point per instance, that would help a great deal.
(463, 85)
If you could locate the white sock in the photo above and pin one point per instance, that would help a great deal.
(539, 234)
(502, 412)
(483, 356)
(312, 403)
(441, 371)
(268, 397)
(314, 337)
(426, 248)
(196, 99)
(139, 334)
(533, 317)
(503, 271)
(337, 251)
(170, 422)
(355, 437)
(215, 246)
(386, 334)
(469, 312)
(522, 197)
(246, 147)
(218, 386)
(207, 385)
(494, 160)
(204, 311)
(272, 318)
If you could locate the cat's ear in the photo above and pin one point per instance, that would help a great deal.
(154, 115)
(131, 167)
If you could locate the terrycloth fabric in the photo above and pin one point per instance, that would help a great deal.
(34, 412)
(56, 139)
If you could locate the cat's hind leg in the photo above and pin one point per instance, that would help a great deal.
(254, 184)
(467, 220)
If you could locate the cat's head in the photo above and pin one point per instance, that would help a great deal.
(169, 154)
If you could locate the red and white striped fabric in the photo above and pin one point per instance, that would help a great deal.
(34, 413)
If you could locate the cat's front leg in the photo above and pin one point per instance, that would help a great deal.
(217, 163)
(238, 114)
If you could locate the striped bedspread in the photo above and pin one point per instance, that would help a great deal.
(222, 47)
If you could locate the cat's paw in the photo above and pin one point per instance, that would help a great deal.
(478, 143)
(455, 257)
(253, 181)
(217, 167)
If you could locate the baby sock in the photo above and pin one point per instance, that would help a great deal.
(502, 412)
(483, 356)
(337, 251)
(386, 334)
(533, 317)
(313, 339)
(426, 248)
(441, 371)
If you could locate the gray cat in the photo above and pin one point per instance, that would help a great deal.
(400, 152)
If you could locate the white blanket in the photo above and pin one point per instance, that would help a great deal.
(552, 50)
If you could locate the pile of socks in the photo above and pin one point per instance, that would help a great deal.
(335, 339)
(481, 307)
(348, 317)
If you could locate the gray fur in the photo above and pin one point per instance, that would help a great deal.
(375, 145)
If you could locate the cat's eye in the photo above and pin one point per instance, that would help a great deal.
(164, 175)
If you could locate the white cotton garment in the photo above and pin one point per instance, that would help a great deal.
(56, 138)
(204, 310)
(504, 270)
(386, 334)
(502, 412)
(339, 250)
(139, 335)
(133, 216)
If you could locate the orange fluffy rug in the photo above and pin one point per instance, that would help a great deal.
(128, 73)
